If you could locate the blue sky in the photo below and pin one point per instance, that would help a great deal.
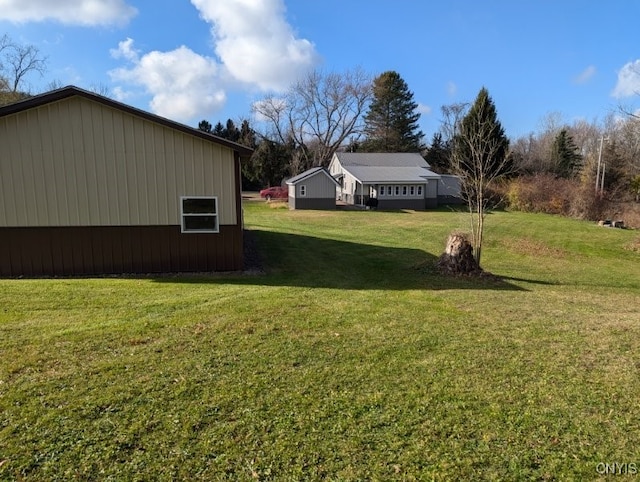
(211, 59)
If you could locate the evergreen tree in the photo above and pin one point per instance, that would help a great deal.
(391, 123)
(481, 145)
(270, 162)
(205, 126)
(564, 155)
(480, 157)
(250, 180)
(247, 135)
(218, 130)
(438, 155)
(231, 132)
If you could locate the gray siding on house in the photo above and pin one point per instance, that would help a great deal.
(449, 190)
(313, 189)
(317, 186)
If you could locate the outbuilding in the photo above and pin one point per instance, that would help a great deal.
(93, 186)
(312, 189)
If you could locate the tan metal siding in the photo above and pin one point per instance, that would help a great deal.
(76, 162)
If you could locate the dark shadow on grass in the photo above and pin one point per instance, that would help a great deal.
(532, 281)
(283, 259)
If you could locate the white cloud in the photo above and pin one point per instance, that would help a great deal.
(256, 44)
(424, 109)
(256, 48)
(180, 81)
(628, 80)
(586, 75)
(72, 12)
(125, 51)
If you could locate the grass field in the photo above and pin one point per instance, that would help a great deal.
(349, 359)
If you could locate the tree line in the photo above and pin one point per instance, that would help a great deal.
(575, 169)
(321, 114)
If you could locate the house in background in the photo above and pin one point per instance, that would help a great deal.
(89, 186)
(313, 189)
(396, 180)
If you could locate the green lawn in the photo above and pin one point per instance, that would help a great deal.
(350, 359)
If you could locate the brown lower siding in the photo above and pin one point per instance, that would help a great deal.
(80, 251)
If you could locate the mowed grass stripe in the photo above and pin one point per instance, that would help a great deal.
(349, 359)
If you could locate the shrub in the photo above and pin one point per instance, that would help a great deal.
(542, 193)
(546, 193)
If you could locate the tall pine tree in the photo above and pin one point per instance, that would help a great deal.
(480, 157)
(438, 155)
(391, 123)
(564, 154)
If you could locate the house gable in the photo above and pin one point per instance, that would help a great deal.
(81, 160)
(92, 186)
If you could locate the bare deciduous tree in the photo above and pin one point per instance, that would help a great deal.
(452, 115)
(17, 62)
(480, 159)
(318, 114)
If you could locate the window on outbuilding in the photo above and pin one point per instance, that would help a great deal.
(303, 190)
(199, 214)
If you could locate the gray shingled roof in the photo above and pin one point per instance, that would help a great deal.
(381, 175)
(403, 159)
(309, 173)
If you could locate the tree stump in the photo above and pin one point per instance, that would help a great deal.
(458, 256)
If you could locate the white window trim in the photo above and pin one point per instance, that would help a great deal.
(184, 215)
(303, 190)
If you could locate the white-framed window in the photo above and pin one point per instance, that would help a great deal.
(303, 190)
(397, 190)
(419, 190)
(381, 191)
(412, 190)
(404, 190)
(199, 214)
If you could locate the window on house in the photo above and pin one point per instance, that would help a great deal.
(397, 193)
(404, 190)
(199, 214)
(412, 190)
(303, 190)
(419, 190)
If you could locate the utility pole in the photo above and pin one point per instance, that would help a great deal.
(599, 181)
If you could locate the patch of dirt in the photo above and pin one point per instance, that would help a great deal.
(532, 248)
(634, 246)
